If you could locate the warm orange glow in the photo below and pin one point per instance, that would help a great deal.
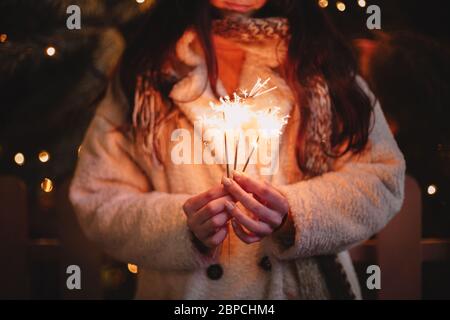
(44, 156)
(323, 3)
(133, 268)
(19, 159)
(47, 185)
(341, 6)
(3, 37)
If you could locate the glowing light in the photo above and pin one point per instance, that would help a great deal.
(271, 123)
(236, 115)
(3, 37)
(140, 1)
(50, 51)
(231, 113)
(133, 268)
(323, 3)
(432, 189)
(44, 156)
(341, 6)
(362, 3)
(19, 159)
(47, 185)
(229, 116)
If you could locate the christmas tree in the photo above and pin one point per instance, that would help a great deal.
(51, 77)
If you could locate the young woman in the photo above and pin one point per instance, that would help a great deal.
(340, 176)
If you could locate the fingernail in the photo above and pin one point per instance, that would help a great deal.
(237, 174)
(229, 205)
(226, 181)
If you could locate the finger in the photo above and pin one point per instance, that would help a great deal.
(212, 225)
(210, 210)
(193, 204)
(248, 201)
(264, 190)
(241, 234)
(217, 238)
(259, 228)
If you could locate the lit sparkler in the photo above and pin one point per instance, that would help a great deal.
(234, 115)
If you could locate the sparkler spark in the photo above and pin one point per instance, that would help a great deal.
(235, 114)
(270, 122)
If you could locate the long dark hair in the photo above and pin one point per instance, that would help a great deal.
(315, 49)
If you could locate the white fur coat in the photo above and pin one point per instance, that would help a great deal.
(132, 205)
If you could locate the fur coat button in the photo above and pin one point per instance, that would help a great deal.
(214, 271)
(265, 263)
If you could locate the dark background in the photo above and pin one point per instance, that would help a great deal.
(46, 103)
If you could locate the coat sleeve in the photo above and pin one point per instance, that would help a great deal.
(334, 211)
(116, 206)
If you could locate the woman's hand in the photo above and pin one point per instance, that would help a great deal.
(207, 216)
(267, 205)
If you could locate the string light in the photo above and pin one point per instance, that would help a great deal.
(132, 268)
(47, 185)
(432, 189)
(44, 156)
(50, 51)
(362, 3)
(3, 37)
(341, 6)
(323, 3)
(19, 159)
